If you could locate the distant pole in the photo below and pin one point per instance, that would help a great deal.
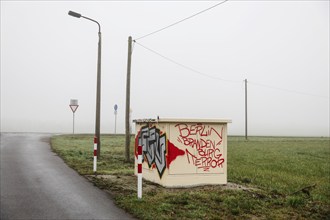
(246, 128)
(128, 91)
(115, 122)
(73, 124)
(116, 108)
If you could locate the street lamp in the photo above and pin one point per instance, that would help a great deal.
(98, 84)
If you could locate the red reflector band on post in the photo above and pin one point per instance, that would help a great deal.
(139, 168)
(95, 154)
(139, 175)
(139, 150)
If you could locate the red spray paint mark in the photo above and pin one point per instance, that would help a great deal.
(136, 144)
(173, 153)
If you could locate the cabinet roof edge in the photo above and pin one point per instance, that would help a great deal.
(182, 120)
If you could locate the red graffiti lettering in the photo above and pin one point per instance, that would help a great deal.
(207, 142)
(195, 129)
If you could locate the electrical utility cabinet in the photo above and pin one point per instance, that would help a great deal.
(182, 152)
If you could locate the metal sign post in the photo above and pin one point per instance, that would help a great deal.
(73, 105)
(116, 108)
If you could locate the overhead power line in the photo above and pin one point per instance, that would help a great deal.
(227, 80)
(182, 20)
(289, 90)
(187, 67)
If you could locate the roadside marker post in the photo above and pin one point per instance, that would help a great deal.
(139, 175)
(95, 154)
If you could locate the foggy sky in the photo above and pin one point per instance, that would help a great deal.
(281, 48)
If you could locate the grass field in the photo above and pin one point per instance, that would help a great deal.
(275, 178)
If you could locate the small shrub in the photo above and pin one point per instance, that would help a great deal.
(295, 201)
(246, 180)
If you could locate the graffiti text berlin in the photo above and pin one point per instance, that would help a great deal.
(205, 141)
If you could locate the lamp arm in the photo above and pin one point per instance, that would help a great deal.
(93, 21)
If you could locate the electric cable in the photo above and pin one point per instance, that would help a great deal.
(226, 80)
(185, 66)
(182, 20)
(288, 90)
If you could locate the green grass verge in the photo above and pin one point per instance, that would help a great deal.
(286, 178)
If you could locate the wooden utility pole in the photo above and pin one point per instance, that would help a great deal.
(128, 96)
(246, 129)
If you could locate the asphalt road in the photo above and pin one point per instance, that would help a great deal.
(37, 184)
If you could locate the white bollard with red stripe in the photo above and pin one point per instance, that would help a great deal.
(95, 154)
(139, 175)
